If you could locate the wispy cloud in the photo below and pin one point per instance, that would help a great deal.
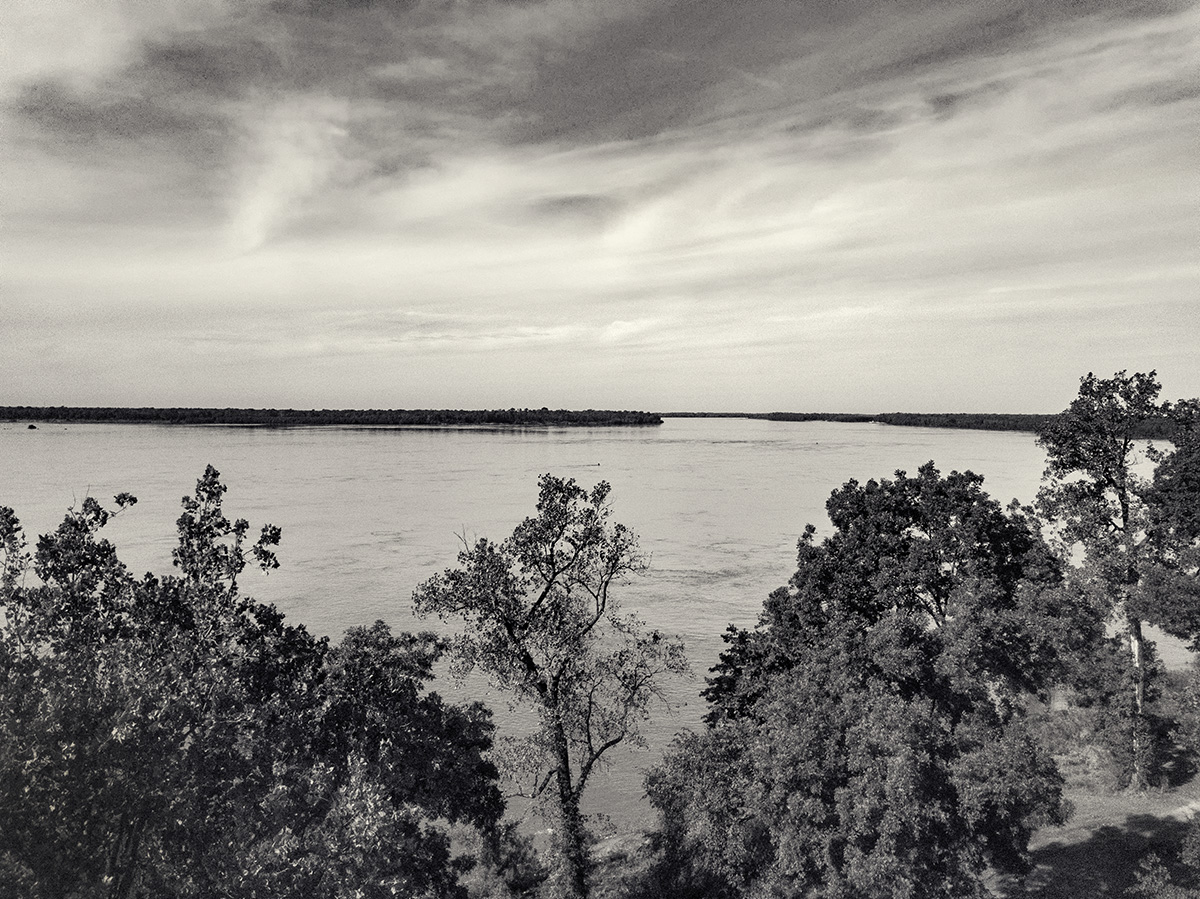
(295, 152)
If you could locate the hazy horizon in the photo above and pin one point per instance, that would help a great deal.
(644, 204)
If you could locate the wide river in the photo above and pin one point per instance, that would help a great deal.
(367, 514)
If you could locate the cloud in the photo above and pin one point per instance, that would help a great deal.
(663, 195)
(82, 42)
(294, 151)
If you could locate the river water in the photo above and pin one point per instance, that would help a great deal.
(367, 514)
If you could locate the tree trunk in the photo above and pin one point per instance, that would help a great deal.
(1137, 649)
(571, 840)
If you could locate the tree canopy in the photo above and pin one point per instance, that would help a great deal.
(867, 738)
(169, 736)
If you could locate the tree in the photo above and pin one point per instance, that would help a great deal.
(541, 622)
(172, 737)
(1134, 537)
(867, 739)
(935, 548)
(1170, 595)
(1171, 588)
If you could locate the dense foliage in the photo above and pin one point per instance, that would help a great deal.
(844, 417)
(1123, 512)
(170, 737)
(868, 738)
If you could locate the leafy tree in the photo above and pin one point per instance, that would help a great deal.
(935, 548)
(542, 623)
(1133, 535)
(1171, 594)
(867, 739)
(171, 737)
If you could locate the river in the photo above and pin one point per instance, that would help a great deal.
(367, 514)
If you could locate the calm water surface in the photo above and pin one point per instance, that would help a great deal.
(368, 514)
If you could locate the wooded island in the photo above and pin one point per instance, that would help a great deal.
(280, 418)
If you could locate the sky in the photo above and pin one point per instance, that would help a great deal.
(665, 205)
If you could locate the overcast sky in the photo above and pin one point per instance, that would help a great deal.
(846, 205)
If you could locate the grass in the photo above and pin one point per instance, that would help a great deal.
(1097, 852)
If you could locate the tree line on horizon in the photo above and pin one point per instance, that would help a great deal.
(880, 734)
(1156, 429)
(329, 417)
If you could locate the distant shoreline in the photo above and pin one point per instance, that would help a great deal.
(283, 418)
(980, 421)
(976, 421)
(510, 418)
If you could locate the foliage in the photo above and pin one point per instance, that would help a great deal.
(1171, 594)
(1176, 875)
(1155, 880)
(510, 864)
(982, 421)
(1092, 491)
(171, 737)
(541, 622)
(934, 549)
(1133, 538)
(867, 739)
